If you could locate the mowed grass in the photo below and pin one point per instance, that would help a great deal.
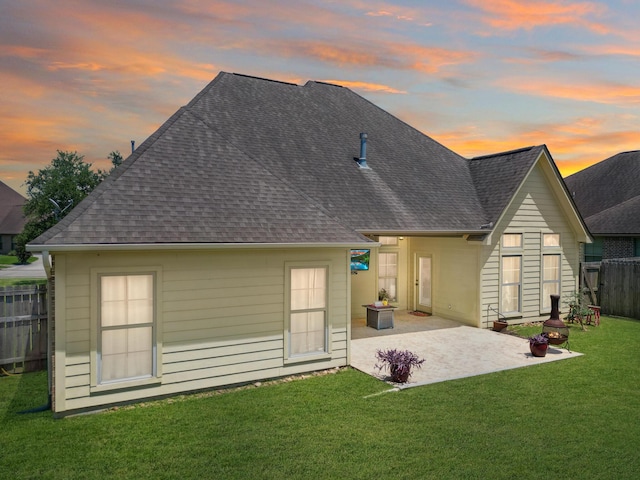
(575, 419)
(9, 260)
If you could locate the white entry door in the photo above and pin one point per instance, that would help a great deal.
(422, 296)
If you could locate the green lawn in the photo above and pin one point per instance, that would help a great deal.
(8, 260)
(576, 418)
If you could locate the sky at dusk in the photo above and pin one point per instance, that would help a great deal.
(479, 76)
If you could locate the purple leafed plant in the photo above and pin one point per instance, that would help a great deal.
(398, 363)
(539, 339)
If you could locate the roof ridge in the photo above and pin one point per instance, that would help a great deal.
(324, 83)
(262, 78)
(503, 154)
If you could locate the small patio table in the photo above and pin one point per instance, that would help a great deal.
(380, 317)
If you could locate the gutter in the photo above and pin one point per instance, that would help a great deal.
(87, 247)
(426, 233)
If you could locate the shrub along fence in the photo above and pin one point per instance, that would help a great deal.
(620, 287)
(23, 328)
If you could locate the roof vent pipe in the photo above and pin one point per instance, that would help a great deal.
(133, 145)
(362, 160)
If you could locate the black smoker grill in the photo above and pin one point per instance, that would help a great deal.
(554, 328)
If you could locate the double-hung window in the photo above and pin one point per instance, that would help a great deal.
(308, 312)
(388, 274)
(511, 274)
(551, 269)
(126, 335)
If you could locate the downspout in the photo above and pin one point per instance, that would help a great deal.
(46, 262)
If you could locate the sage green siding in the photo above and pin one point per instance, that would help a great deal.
(533, 211)
(220, 319)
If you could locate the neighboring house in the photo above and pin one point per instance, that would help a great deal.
(607, 195)
(12, 217)
(219, 252)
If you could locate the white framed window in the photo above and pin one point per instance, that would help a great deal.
(388, 274)
(388, 240)
(551, 271)
(125, 333)
(550, 279)
(126, 325)
(550, 240)
(307, 311)
(512, 240)
(511, 274)
(511, 284)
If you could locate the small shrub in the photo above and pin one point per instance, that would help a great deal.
(398, 363)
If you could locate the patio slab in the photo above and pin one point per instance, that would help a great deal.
(451, 351)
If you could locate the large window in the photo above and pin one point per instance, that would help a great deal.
(551, 269)
(511, 273)
(550, 279)
(388, 274)
(126, 322)
(511, 283)
(308, 311)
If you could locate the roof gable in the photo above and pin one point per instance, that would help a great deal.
(497, 177)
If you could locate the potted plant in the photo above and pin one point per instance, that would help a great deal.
(499, 325)
(577, 310)
(398, 363)
(383, 296)
(538, 345)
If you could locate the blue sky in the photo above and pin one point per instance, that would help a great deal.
(479, 76)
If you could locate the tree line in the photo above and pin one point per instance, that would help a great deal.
(55, 190)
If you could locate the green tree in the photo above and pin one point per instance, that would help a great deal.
(116, 159)
(53, 192)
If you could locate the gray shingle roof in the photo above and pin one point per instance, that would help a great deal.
(608, 194)
(497, 177)
(12, 218)
(621, 219)
(250, 160)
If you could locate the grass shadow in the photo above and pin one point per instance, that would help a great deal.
(22, 393)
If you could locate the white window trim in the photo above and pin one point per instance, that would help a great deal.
(392, 241)
(156, 378)
(509, 248)
(396, 251)
(515, 313)
(553, 250)
(314, 356)
(511, 252)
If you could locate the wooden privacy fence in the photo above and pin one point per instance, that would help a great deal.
(23, 328)
(620, 287)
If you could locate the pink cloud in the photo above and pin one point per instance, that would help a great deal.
(606, 92)
(509, 15)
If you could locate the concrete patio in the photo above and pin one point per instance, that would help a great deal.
(451, 350)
